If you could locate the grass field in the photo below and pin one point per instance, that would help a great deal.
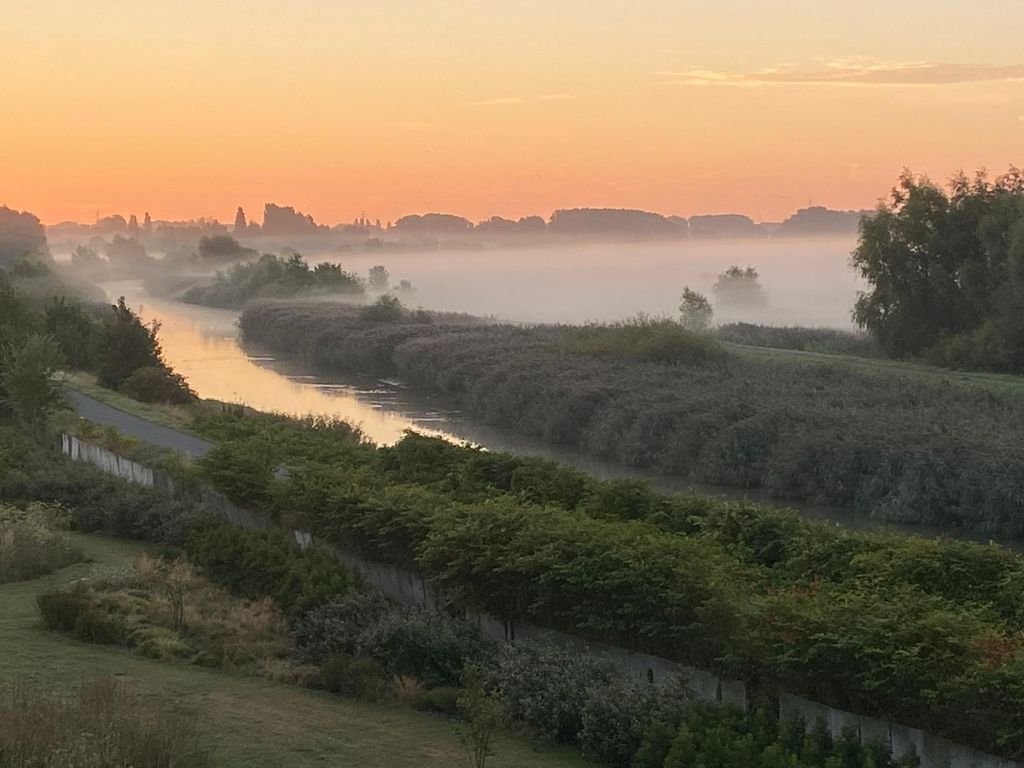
(1002, 383)
(246, 721)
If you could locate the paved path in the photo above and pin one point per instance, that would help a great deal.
(133, 426)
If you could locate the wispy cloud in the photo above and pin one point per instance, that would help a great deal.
(497, 102)
(853, 72)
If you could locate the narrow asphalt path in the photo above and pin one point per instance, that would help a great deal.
(133, 426)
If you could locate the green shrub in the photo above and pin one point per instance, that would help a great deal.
(61, 609)
(409, 641)
(258, 564)
(358, 676)
(443, 700)
(155, 384)
(95, 625)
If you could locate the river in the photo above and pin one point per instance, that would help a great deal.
(203, 344)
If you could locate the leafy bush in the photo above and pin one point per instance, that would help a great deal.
(96, 625)
(722, 736)
(155, 384)
(443, 700)
(32, 542)
(417, 642)
(61, 609)
(358, 676)
(258, 564)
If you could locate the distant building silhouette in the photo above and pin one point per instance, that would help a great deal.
(241, 226)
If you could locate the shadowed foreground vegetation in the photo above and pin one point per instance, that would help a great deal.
(900, 446)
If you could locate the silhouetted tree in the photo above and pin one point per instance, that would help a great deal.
(379, 278)
(20, 233)
(695, 310)
(738, 288)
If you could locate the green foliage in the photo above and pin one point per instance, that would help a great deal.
(642, 339)
(409, 641)
(695, 311)
(20, 233)
(483, 713)
(443, 700)
(273, 276)
(33, 542)
(257, 564)
(61, 609)
(126, 344)
(358, 676)
(875, 623)
(722, 737)
(27, 386)
(879, 442)
(385, 309)
(946, 271)
(157, 384)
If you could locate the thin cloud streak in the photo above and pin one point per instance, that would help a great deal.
(856, 73)
(496, 102)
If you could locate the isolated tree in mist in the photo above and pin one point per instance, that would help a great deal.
(379, 278)
(738, 288)
(695, 311)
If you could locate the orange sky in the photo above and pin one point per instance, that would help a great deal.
(192, 108)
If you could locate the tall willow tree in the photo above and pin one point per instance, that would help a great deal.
(945, 271)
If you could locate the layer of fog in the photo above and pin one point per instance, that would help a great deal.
(807, 282)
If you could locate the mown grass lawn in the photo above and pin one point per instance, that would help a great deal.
(177, 417)
(245, 721)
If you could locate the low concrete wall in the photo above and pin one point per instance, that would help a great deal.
(108, 461)
(412, 589)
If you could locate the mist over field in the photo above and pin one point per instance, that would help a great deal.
(807, 281)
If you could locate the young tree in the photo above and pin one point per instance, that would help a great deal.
(484, 714)
(27, 387)
(379, 278)
(125, 345)
(695, 311)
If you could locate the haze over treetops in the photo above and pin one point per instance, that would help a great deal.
(192, 108)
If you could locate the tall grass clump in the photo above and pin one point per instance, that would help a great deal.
(103, 724)
(34, 542)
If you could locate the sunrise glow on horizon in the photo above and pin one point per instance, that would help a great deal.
(346, 109)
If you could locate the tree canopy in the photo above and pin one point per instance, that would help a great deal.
(945, 271)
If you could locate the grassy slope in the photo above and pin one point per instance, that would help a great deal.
(173, 416)
(1004, 383)
(247, 721)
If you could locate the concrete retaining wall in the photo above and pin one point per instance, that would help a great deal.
(412, 589)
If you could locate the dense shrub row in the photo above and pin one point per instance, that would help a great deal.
(717, 737)
(926, 632)
(896, 446)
